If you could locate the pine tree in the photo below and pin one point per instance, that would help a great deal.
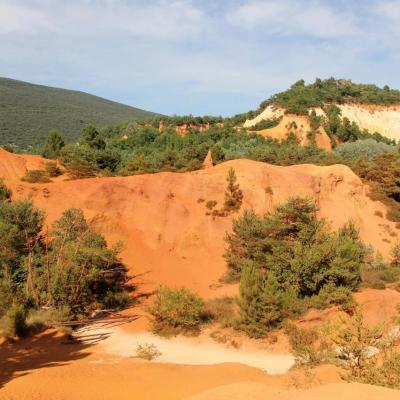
(259, 302)
(233, 193)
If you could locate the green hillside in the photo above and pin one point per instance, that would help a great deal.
(28, 112)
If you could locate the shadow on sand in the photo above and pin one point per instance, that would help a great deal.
(48, 349)
(51, 349)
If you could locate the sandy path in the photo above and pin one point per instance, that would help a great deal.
(186, 351)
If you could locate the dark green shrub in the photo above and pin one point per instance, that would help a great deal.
(211, 204)
(266, 124)
(294, 258)
(5, 192)
(52, 169)
(260, 303)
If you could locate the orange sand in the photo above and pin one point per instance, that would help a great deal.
(161, 218)
(170, 240)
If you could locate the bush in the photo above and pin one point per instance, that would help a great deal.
(176, 310)
(52, 169)
(366, 149)
(13, 323)
(5, 192)
(148, 351)
(211, 204)
(266, 124)
(308, 345)
(36, 176)
(41, 319)
(377, 273)
(116, 300)
(222, 311)
(385, 373)
(80, 169)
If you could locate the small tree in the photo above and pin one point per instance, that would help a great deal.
(395, 255)
(233, 193)
(53, 145)
(355, 340)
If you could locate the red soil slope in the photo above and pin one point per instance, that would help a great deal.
(162, 219)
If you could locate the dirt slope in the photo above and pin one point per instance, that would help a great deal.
(280, 131)
(162, 218)
(374, 118)
(14, 166)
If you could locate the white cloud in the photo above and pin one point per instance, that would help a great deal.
(288, 17)
(15, 18)
(181, 53)
(161, 19)
(389, 9)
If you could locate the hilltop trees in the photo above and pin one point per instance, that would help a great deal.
(301, 97)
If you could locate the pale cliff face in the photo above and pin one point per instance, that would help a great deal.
(280, 131)
(382, 119)
(374, 118)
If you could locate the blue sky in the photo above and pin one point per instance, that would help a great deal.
(200, 56)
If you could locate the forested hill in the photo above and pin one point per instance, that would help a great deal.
(29, 111)
(300, 98)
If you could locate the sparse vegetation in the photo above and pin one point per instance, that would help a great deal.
(36, 176)
(266, 124)
(148, 351)
(211, 204)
